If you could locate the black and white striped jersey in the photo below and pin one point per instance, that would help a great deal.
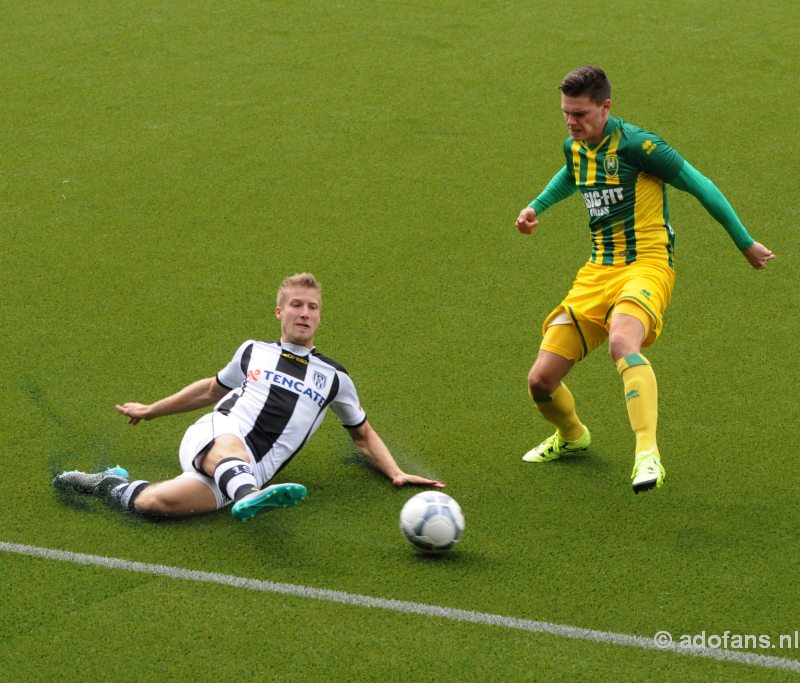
(279, 394)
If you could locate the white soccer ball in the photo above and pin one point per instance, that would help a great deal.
(432, 522)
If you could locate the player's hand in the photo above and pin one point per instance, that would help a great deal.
(527, 220)
(404, 479)
(758, 255)
(134, 411)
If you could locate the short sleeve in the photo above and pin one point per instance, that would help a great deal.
(235, 372)
(346, 405)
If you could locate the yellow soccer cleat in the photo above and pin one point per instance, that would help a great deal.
(554, 447)
(648, 472)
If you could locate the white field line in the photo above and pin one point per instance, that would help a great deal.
(592, 635)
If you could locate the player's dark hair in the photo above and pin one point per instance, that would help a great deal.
(589, 81)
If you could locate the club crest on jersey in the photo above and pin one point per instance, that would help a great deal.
(319, 380)
(611, 165)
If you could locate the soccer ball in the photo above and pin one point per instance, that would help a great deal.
(432, 522)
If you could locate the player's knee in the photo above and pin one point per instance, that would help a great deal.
(617, 347)
(622, 343)
(542, 383)
(627, 332)
(224, 448)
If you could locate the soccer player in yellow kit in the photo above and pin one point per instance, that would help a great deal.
(621, 293)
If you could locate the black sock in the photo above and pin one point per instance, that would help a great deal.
(123, 497)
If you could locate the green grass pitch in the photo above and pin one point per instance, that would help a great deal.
(166, 164)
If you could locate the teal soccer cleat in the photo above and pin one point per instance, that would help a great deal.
(276, 496)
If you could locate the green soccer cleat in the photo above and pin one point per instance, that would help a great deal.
(276, 496)
(94, 484)
(648, 472)
(554, 447)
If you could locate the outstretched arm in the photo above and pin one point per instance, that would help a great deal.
(690, 180)
(371, 446)
(199, 394)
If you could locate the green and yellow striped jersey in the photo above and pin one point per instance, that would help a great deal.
(622, 180)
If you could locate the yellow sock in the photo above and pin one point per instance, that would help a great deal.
(559, 409)
(641, 399)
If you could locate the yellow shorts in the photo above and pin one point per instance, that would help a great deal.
(642, 289)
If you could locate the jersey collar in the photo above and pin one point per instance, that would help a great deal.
(301, 351)
(611, 124)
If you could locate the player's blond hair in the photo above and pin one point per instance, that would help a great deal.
(306, 280)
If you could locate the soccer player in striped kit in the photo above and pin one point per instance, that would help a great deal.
(622, 292)
(270, 399)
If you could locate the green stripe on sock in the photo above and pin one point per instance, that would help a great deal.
(635, 359)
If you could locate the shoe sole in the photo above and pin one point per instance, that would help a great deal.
(648, 485)
(277, 496)
(645, 486)
(537, 458)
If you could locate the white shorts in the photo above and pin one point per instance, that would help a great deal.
(197, 440)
